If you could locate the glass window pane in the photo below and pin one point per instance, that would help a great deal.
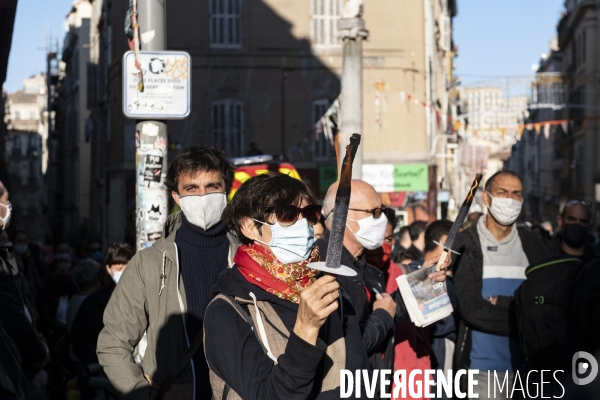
(221, 34)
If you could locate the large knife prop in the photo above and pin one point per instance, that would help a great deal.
(460, 219)
(333, 264)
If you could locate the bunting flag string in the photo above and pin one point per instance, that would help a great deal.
(455, 124)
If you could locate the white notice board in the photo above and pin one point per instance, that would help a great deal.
(166, 77)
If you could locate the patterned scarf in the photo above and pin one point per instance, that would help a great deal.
(261, 268)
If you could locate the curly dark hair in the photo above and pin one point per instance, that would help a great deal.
(196, 159)
(260, 196)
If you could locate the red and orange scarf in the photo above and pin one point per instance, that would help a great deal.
(261, 268)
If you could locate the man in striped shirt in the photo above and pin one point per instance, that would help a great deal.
(494, 256)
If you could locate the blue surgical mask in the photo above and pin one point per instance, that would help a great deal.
(116, 276)
(293, 243)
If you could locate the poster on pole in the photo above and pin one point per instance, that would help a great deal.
(158, 85)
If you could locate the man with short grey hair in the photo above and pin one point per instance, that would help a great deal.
(494, 254)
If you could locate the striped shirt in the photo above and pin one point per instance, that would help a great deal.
(504, 265)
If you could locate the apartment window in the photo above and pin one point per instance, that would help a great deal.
(225, 23)
(323, 24)
(33, 177)
(227, 123)
(16, 145)
(323, 148)
(583, 46)
(32, 145)
(32, 115)
(17, 115)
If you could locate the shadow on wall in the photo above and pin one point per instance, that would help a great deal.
(270, 89)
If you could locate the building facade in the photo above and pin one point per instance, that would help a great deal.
(25, 154)
(266, 71)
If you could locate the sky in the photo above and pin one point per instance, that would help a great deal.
(502, 38)
(34, 20)
(494, 37)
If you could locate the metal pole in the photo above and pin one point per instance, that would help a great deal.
(151, 197)
(352, 32)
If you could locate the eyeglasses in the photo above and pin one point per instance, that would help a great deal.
(288, 215)
(375, 211)
(582, 202)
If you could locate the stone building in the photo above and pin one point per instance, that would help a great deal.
(24, 152)
(266, 71)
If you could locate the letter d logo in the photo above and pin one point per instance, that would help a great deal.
(583, 367)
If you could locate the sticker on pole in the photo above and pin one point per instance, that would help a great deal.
(157, 84)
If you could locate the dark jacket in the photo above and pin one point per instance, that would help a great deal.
(11, 384)
(88, 324)
(585, 312)
(476, 312)
(376, 326)
(235, 355)
(14, 297)
(48, 300)
(554, 247)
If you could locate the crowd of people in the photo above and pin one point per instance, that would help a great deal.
(225, 305)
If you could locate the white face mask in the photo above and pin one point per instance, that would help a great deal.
(371, 232)
(505, 210)
(291, 244)
(117, 275)
(203, 211)
(6, 219)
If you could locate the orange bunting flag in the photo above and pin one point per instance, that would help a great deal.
(537, 128)
(503, 132)
(521, 128)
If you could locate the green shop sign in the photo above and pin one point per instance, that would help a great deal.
(397, 177)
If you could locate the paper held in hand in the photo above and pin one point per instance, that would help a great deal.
(426, 301)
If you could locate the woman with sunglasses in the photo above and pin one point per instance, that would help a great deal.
(272, 330)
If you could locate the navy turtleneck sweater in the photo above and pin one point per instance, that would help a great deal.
(202, 256)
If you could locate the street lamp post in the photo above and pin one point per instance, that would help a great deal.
(352, 32)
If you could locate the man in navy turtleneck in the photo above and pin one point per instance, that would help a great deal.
(165, 289)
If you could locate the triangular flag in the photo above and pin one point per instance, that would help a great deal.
(521, 128)
(503, 132)
(537, 128)
(565, 127)
(547, 131)
(529, 126)
(402, 97)
(475, 132)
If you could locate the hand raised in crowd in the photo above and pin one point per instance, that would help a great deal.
(316, 303)
(385, 302)
(439, 276)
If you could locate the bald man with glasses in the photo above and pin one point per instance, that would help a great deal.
(377, 311)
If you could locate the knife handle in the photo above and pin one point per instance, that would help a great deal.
(442, 259)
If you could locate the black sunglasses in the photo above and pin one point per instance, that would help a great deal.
(288, 215)
(375, 211)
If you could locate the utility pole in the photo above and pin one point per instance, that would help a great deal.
(352, 32)
(151, 20)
